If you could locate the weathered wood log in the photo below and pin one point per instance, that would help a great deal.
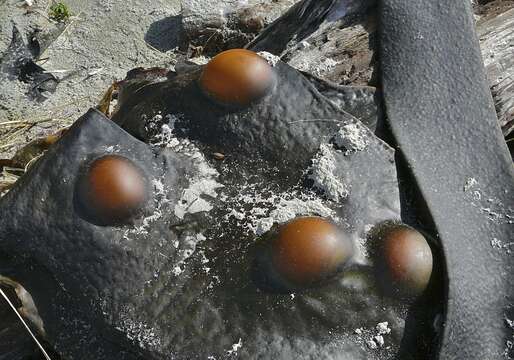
(497, 44)
(344, 53)
(216, 25)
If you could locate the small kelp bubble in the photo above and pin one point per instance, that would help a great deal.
(112, 190)
(301, 253)
(403, 259)
(237, 77)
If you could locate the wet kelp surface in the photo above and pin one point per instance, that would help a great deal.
(176, 277)
(176, 280)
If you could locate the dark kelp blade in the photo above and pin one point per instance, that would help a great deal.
(434, 58)
(57, 173)
(294, 116)
(18, 62)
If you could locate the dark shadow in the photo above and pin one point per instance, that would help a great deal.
(426, 315)
(164, 34)
(424, 322)
(15, 342)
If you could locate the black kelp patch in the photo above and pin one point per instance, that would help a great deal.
(176, 281)
(17, 62)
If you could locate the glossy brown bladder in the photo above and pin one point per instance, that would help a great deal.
(302, 253)
(112, 189)
(237, 77)
(403, 260)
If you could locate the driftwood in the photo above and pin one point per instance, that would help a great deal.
(497, 44)
(344, 52)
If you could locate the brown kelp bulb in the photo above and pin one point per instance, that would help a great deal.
(237, 77)
(113, 188)
(307, 250)
(406, 258)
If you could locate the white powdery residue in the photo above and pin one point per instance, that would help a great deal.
(470, 183)
(187, 248)
(493, 208)
(495, 243)
(374, 338)
(143, 229)
(166, 137)
(189, 245)
(177, 270)
(235, 347)
(288, 209)
(361, 246)
(112, 148)
(235, 214)
(379, 340)
(203, 183)
(159, 194)
(509, 344)
(321, 172)
(191, 200)
(140, 332)
(200, 60)
(361, 250)
(262, 226)
(368, 227)
(498, 244)
(158, 187)
(491, 214)
(383, 328)
(510, 323)
(269, 57)
(204, 260)
(371, 344)
(351, 137)
(259, 211)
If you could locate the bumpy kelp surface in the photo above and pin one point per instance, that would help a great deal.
(439, 108)
(176, 282)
